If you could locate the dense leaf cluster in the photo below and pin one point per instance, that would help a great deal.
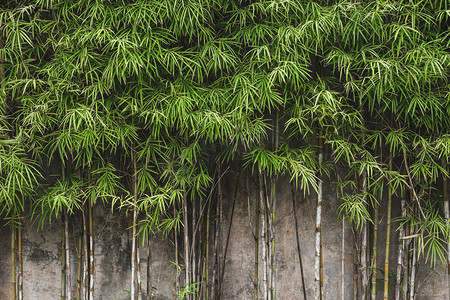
(185, 84)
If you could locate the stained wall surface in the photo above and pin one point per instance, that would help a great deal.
(42, 250)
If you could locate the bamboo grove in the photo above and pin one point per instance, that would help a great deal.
(142, 106)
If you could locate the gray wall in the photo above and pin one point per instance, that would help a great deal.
(41, 252)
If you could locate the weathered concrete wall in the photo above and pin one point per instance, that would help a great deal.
(41, 251)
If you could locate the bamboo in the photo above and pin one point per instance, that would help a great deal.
(256, 236)
(133, 257)
(400, 249)
(388, 237)
(193, 243)
(220, 232)
(149, 275)
(263, 232)
(216, 249)
(13, 262)
(343, 261)
(407, 262)
(318, 252)
(177, 264)
(186, 243)
(208, 215)
(133, 238)
(364, 268)
(447, 219)
(78, 297)
(298, 243)
(19, 257)
(91, 251)
(355, 264)
(412, 284)
(67, 249)
(229, 225)
(273, 223)
(63, 260)
(85, 283)
(374, 249)
(138, 271)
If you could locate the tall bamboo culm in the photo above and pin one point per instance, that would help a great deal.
(388, 238)
(318, 248)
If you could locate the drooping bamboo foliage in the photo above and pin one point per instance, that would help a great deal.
(190, 85)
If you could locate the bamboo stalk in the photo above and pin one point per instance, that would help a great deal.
(138, 271)
(447, 218)
(263, 232)
(20, 261)
(256, 236)
(216, 249)
(298, 243)
(91, 251)
(400, 249)
(193, 243)
(355, 264)
(374, 249)
(133, 257)
(208, 215)
(149, 286)
(412, 284)
(318, 252)
(273, 210)
(388, 237)
(79, 268)
(67, 249)
(85, 283)
(229, 226)
(13, 262)
(63, 260)
(220, 232)
(177, 264)
(343, 261)
(186, 242)
(134, 224)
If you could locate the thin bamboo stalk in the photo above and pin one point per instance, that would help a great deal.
(208, 215)
(138, 271)
(343, 261)
(63, 260)
(13, 262)
(298, 243)
(91, 251)
(263, 232)
(134, 224)
(216, 249)
(374, 250)
(256, 236)
(412, 284)
(177, 263)
(400, 249)
(388, 237)
(273, 216)
(149, 274)
(355, 264)
(220, 232)
(85, 283)
(447, 218)
(318, 252)
(78, 297)
(193, 243)
(186, 243)
(67, 249)
(229, 226)
(20, 261)
(364, 239)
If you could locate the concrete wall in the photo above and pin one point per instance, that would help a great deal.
(41, 251)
